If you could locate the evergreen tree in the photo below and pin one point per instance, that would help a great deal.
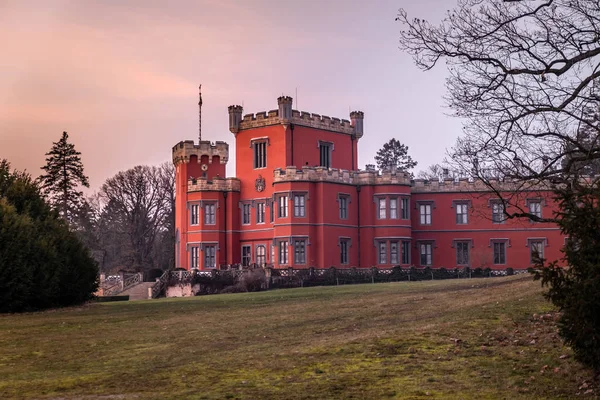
(64, 174)
(394, 153)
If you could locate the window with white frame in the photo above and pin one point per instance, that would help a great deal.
(210, 214)
(498, 216)
(344, 246)
(194, 256)
(194, 211)
(260, 213)
(394, 252)
(405, 252)
(283, 252)
(261, 255)
(425, 214)
(325, 149)
(300, 251)
(535, 208)
(246, 214)
(462, 252)
(536, 248)
(462, 212)
(499, 253)
(405, 207)
(299, 205)
(425, 253)
(343, 202)
(381, 208)
(246, 255)
(382, 252)
(210, 260)
(283, 206)
(393, 208)
(260, 154)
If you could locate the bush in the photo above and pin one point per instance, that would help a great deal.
(42, 263)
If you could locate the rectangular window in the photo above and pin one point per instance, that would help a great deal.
(535, 208)
(260, 213)
(261, 255)
(246, 255)
(405, 252)
(209, 214)
(497, 213)
(425, 214)
(300, 252)
(393, 208)
(245, 214)
(283, 206)
(325, 152)
(194, 257)
(461, 213)
(283, 252)
(425, 251)
(271, 211)
(260, 154)
(394, 253)
(194, 211)
(210, 256)
(299, 206)
(537, 251)
(344, 245)
(405, 208)
(381, 208)
(343, 200)
(499, 253)
(382, 253)
(462, 253)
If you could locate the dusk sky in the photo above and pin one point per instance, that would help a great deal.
(122, 76)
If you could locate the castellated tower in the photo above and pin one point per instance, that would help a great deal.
(235, 117)
(357, 117)
(285, 108)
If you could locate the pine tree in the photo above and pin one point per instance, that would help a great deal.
(394, 154)
(64, 174)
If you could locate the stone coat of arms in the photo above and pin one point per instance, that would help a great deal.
(259, 184)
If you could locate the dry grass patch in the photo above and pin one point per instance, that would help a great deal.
(444, 339)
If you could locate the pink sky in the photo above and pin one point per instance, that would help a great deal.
(121, 76)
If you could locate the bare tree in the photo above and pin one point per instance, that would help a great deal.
(138, 205)
(522, 76)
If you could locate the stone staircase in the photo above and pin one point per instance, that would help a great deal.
(138, 292)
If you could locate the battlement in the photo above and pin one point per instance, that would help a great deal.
(333, 175)
(182, 151)
(472, 185)
(216, 184)
(285, 115)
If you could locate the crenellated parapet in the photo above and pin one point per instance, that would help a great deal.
(285, 115)
(333, 175)
(473, 185)
(215, 185)
(182, 151)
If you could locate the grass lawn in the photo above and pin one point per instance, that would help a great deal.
(466, 338)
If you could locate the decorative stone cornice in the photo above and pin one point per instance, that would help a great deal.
(216, 184)
(322, 174)
(301, 118)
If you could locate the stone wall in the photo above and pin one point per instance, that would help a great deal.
(183, 150)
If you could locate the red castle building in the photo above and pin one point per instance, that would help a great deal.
(299, 200)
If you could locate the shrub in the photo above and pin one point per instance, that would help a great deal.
(510, 271)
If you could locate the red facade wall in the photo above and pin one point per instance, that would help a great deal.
(364, 229)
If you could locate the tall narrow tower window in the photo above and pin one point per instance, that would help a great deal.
(325, 151)
(260, 154)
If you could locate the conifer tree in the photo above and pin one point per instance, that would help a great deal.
(64, 174)
(394, 154)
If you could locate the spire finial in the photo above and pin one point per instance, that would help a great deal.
(200, 113)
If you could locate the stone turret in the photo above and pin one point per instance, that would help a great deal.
(235, 117)
(285, 108)
(357, 117)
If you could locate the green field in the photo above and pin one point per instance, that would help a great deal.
(474, 338)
